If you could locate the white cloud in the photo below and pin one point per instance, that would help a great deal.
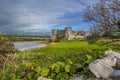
(39, 15)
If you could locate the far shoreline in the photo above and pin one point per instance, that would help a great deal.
(27, 45)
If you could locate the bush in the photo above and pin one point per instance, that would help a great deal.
(93, 38)
(6, 47)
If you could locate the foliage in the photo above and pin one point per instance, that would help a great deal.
(93, 38)
(105, 17)
(6, 47)
(57, 60)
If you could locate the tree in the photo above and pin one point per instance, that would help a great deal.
(105, 16)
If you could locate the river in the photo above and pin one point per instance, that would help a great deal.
(25, 45)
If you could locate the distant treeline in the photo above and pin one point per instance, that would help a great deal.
(27, 38)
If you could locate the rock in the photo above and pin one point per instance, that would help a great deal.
(109, 61)
(112, 53)
(103, 68)
(116, 75)
(100, 69)
(93, 79)
(118, 66)
(42, 78)
(116, 55)
(76, 77)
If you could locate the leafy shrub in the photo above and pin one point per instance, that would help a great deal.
(57, 71)
(6, 47)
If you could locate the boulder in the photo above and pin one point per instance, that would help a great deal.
(100, 69)
(109, 61)
(75, 77)
(92, 79)
(115, 75)
(104, 68)
(42, 78)
(112, 53)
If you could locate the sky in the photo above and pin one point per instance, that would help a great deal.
(36, 17)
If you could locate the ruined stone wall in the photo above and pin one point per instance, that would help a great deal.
(57, 34)
(60, 34)
(67, 34)
(54, 34)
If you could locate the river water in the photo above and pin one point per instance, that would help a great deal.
(25, 45)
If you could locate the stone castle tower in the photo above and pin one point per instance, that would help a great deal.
(67, 34)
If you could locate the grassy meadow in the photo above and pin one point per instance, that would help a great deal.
(57, 60)
(27, 38)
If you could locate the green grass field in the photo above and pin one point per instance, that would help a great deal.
(80, 53)
(27, 38)
(62, 51)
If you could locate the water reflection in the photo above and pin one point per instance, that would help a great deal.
(25, 45)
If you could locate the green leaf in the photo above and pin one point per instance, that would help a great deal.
(52, 75)
(61, 64)
(37, 75)
(53, 67)
(57, 68)
(14, 77)
(29, 76)
(61, 76)
(109, 48)
(44, 72)
(38, 69)
(73, 70)
(70, 62)
(89, 57)
(67, 68)
(79, 65)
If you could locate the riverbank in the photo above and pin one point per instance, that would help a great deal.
(57, 60)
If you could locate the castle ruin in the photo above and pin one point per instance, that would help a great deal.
(67, 34)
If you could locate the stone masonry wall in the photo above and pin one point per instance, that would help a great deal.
(67, 34)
